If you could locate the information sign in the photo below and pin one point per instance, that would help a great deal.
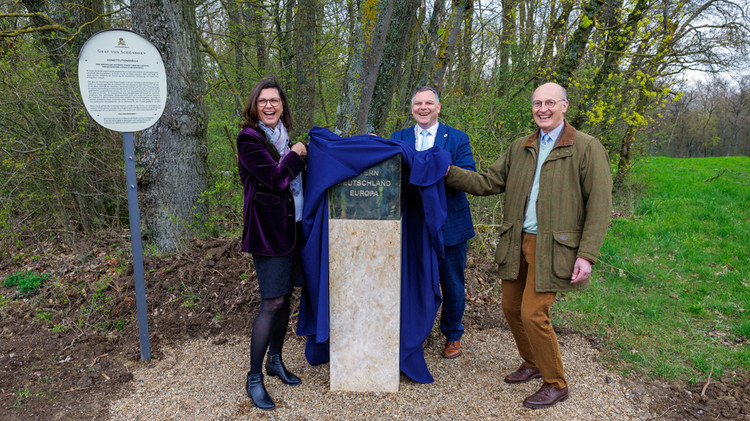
(122, 80)
(124, 88)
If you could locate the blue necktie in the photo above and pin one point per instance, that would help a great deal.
(423, 140)
(546, 139)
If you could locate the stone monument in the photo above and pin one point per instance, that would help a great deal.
(364, 237)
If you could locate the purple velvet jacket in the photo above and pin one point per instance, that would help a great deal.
(268, 213)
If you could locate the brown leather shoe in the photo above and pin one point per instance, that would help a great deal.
(522, 375)
(546, 396)
(452, 349)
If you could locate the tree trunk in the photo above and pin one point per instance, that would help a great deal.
(571, 58)
(60, 50)
(254, 16)
(507, 40)
(173, 151)
(352, 8)
(304, 63)
(427, 66)
(452, 29)
(364, 62)
(407, 82)
(403, 19)
(91, 15)
(237, 39)
(554, 32)
(283, 23)
(526, 51)
(518, 51)
(464, 57)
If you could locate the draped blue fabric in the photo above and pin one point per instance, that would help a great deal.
(331, 160)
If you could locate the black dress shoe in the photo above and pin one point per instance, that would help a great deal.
(275, 367)
(257, 392)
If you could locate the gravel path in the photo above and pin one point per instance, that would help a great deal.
(201, 381)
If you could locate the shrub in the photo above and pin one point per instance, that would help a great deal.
(26, 282)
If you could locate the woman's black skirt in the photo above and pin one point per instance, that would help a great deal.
(278, 275)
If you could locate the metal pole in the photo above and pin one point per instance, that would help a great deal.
(135, 240)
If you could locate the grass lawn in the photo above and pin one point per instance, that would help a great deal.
(670, 297)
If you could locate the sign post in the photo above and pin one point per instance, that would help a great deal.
(124, 88)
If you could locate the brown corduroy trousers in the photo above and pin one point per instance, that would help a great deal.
(527, 313)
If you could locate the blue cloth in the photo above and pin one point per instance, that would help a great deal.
(460, 227)
(331, 160)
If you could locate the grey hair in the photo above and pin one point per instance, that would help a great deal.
(425, 89)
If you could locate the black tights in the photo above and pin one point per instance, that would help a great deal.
(269, 330)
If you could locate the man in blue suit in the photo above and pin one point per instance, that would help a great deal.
(458, 228)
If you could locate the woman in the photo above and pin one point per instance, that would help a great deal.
(270, 169)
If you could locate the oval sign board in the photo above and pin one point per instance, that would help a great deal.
(122, 80)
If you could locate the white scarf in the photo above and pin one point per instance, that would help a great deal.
(279, 137)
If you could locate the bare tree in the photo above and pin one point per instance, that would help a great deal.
(431, 45)
(448, 41)
(370, 34)
(397, 46)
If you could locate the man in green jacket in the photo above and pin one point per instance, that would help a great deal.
(558, 197)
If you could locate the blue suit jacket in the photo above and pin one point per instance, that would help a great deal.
(458, 226)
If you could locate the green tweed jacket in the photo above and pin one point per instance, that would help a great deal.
(573, 207)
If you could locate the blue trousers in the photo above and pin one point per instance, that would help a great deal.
(452, 284)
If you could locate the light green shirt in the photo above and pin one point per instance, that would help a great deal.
(529, 220)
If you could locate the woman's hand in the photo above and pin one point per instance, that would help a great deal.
(300, 149)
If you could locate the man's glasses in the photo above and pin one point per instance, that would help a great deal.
(273, 101)
(550, 103)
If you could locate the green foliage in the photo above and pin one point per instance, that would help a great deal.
(119, 324)
(43, 315)
(189, 297)
(58, 167)
(670, 294)
(60, 328)
(62, 173)
(21, 394)
(25, 282)
(224, 195)
(224, 201)
(95, 313)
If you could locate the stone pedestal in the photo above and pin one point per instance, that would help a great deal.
(364, 272)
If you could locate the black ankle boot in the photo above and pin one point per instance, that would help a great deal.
(275, 367)
(257, 392)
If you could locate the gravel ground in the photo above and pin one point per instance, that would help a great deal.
(202, 381)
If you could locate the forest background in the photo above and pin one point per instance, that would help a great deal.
(350, 66)
(648, 78)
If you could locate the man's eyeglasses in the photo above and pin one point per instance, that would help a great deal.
(273, 101)
(550, 103)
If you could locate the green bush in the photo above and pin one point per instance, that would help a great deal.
(26, 282)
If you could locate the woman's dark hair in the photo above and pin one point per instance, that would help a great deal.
(250, 113)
